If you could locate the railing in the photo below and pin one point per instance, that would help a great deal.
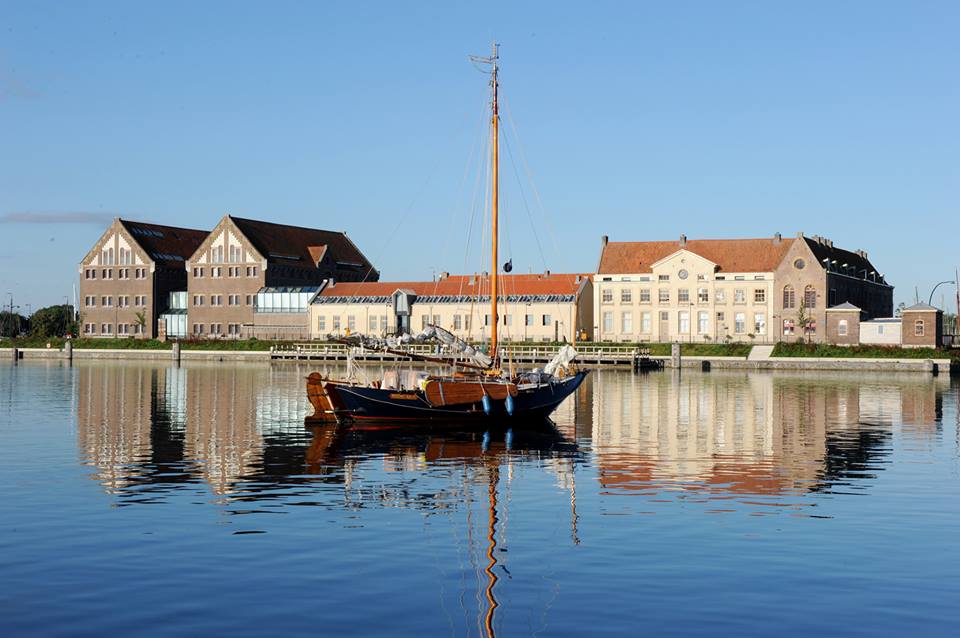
(586, 352)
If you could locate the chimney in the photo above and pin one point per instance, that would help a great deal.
(777, 238)
(577, 280)
(683, 240)
(331, 282)
(546, 273)
(799, 234)
(603, 241)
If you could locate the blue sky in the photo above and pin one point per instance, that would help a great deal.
(635, 120)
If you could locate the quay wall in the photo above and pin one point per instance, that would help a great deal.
(850, 364)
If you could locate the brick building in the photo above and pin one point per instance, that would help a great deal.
(753, 290)
(126, 278)
(241, 256)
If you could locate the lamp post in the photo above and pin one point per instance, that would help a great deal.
(930, 301)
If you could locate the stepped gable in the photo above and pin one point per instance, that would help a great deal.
(824, 250)
(168, 246)
(730, 255)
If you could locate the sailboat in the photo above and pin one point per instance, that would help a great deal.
(479, 390)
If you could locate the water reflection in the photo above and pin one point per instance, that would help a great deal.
(760, 434)
(234, 437)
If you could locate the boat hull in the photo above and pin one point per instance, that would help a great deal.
(358, 403)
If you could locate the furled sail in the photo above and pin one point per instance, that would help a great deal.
(563, 359)
(430, 334)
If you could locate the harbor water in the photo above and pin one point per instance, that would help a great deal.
(145, 499)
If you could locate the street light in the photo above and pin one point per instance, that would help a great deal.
(930, 301)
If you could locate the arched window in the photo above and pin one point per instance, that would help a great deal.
(809, 297)
(789, 297)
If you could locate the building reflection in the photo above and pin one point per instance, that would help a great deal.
(239, 430)
(744, 433)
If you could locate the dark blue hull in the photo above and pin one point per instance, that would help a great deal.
(375, 404)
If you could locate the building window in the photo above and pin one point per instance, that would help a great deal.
(336, 323)
(106, 302)
(683, 295)
(811, 328)
(321, 323)
(606, 295)
(626, 323)
(486, 321)
(626, 295)
(90, 301)
(644, 295)
(703, 322)
(842, 328)
(458, 322)
(351, 323)
(880, 329)
(759, 295)
(703, 295)
(607, 322)
(373, 325)
(721, 296)
(739, 323)
(249, 300)
(663, 278)
(547, 320)
(683, 321)
(809, 297)
(106, 329)
(759, 323)
(789, 298)
(739, 296)
(507, 319)
(645, 322)
(918, 328)
(721, 317)
(528, 320)
(216, 300)
(664, 295)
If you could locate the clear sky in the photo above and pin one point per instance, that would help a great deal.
(640, 121)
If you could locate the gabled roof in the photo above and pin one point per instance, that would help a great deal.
(921, 307)
(295, 245)
(730, 255)
(846, 305)
(463, 286)
(168, 246)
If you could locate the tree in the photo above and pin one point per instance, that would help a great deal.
(804, 321)
(900, 308)
(12, 324)
(53, 321)
(142, 321)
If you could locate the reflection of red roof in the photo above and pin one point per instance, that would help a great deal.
(730, 255)
(637, 473)
(464, 285)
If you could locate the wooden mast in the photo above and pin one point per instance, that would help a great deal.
(495, 192)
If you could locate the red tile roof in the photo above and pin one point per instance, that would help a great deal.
(464, 285)
(730, 255)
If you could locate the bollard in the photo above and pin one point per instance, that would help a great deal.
(675, 354)
(68, 350)
(16, 356)
(176, 353)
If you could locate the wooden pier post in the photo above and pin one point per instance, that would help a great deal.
(675, 354)
(68, 350)
(176, 353)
